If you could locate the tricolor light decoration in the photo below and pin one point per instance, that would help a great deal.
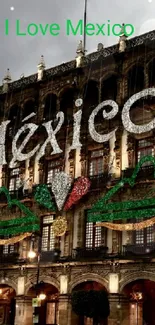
(104, 211)
(81, 188)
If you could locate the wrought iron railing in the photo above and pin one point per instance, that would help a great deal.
(145, 173)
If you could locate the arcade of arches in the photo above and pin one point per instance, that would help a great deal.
(133, 306)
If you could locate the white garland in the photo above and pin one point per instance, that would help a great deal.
(17, 152)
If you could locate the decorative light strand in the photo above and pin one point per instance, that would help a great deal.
(14, 240)
(18, 230)
(127, 226)
(29, 223)
(144, 213)
(102, 205)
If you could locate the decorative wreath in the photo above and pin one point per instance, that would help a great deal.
(59, 226)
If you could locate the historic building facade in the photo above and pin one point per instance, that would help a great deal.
(120, 262)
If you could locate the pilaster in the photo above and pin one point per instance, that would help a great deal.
(63, 309)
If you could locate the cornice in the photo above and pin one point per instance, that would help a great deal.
(146, 38)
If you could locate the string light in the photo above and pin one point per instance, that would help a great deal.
(127, 226)
(29, 223)
(14, 240)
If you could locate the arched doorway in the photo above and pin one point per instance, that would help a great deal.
(46, 311)
(141, 295)
(87, 286)
(7, 305)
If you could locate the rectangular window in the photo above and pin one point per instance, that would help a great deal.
(48, 238)
(15, 181)
(145, 148)
(53, 168)
(144, 236)
(96, 165)
(8, 249)
(95, 236)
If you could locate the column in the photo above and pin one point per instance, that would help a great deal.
(114, 310)
(63, 309)
(23, 311)
(119, 310)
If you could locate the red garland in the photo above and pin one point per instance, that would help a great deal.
(80, 188)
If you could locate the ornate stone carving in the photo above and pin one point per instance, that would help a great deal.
(130, 149)
(72, 163)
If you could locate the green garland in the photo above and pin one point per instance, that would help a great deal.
(43, 197)
(96, 214)
(19, 230)
(29, 223)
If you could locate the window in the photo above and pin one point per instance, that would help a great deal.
(53, 168)
(96, 165)
(48, 238)
(145, 148)
(8, 249)
(144, 236)
(95, 236)
(14, 180)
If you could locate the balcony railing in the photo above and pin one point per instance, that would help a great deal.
(99, 181)
(11, 258)
(145, 173)
(139, 249)
(89, 253)
(51, 256)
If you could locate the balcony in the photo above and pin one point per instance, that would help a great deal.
(145, 173)
(11, 258)
(139, 250)
(96, 253)
(99, 181)
(51, 256)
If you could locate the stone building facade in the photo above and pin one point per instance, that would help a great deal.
(89, 258)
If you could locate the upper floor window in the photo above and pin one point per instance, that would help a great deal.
(54, 167)
(48, 238)
(96, 164)
(15, 181)
(8, 249)
(144, 236)
(145, 148)
(94, 236)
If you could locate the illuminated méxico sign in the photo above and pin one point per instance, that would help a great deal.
(39, 150)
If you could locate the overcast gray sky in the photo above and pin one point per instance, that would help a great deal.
(22, 53)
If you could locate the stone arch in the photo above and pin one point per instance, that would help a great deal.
(10, 283)
(49, 92)
(87, 277)
(85, 81)
(108, 74)
(131, 65)
(64, 89)
(150, 59)
(46, 279)
(28, 100)
(136, 276)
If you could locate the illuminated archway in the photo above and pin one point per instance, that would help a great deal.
(48, 296)
(7, 304)
(141, 296)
